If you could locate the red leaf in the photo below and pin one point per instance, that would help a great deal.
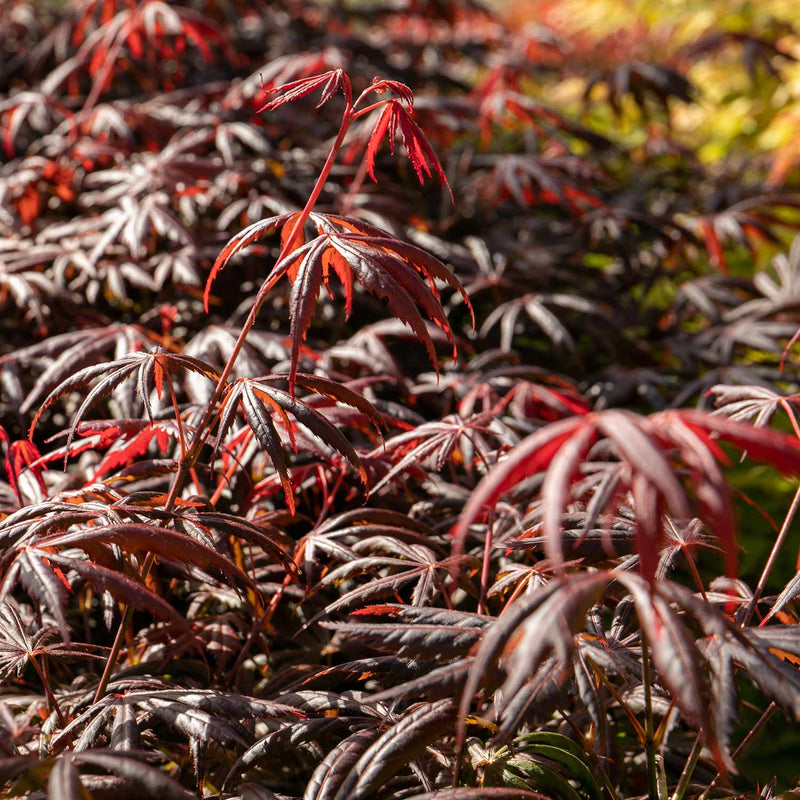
(716, 255)
(379, 86)
(386, 267)
(555, 490)
(375, 139)
(420, 152)
(781, 450)
(19, 455)
(125, 452)
(199, 35)
(29, 204)
(252, 233)
(135, 43)
(330, 82)
(533, 455)
(672, 649)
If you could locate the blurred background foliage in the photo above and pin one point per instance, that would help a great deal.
(741, 57)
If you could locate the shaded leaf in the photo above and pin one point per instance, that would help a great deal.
(334, 768)
(63, 782)
(395, 748)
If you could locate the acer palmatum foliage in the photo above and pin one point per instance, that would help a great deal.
(499, 513)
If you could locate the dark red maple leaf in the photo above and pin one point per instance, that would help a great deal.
(389, 268)
(394, 119)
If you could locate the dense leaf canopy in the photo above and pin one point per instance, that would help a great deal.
(399, 399)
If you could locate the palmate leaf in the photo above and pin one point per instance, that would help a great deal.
(399, 273)
(35, 548)
(334, 712)
(17, 646)
(20, 644)
(755, 51)
(141, 538)
(414, 632)
(673, 651)
(758, 403)
(536, 307)
(337, 535)
(646, 447)
(501, 103)
(30, 558)
(49, 588)
(540, 625)
(66, 353)
(201, 715)
(336, 765)
(53, 515)
(127, 441)
(260, 400)
(287, 739)
(640, 80)
(544, 628)
(262, 534)
(396, 748)
(531, 180)
(394, 118)
(331, 82)
(153, 32)
(757, 652)
(465, 440)
(724, 655)
(401, 566)
(149, 371)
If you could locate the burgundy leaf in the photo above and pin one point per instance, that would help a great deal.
(150, 538)
(414, 632)
(149, 780)
(386, 267)
(260, 401)
(330, 82)
(395, 748)
(333, 769)
(121, 587)
(394, 118)
(63, 782)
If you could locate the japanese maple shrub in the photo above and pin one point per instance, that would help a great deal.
(468, 522)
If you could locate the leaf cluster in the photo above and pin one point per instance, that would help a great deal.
(463, 524)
